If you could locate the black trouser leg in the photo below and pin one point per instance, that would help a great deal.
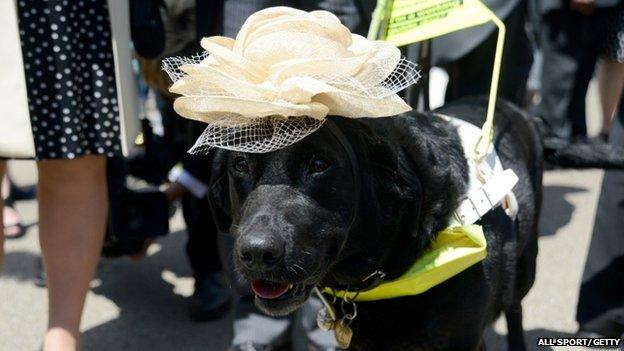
(208, 16)
(571, 46)
(472, 74)
(201, 248)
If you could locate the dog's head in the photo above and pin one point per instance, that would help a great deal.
(326, 211)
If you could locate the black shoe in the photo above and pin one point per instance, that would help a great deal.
(20, 193)
(136, 218)
(211, 299)
(40, 278)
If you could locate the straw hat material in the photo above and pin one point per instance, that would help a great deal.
(288, 64)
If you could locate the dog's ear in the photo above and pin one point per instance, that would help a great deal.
(402, 184)
(218, 190)
(411, 192)
(397, 187)
(435, 157)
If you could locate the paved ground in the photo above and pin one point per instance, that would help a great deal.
(141, 305)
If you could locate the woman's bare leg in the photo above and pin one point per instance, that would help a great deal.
(2, 172)
(73, 206)
(610, 83)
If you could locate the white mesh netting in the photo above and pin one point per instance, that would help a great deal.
(255, 136)
(266, 134)
(404, 74)
(172, 65)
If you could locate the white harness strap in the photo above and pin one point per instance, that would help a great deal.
(489, 186)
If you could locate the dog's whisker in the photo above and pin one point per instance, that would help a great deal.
(303, 270)
(291, 269)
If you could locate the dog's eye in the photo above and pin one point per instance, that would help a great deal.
(319, 165)
(241, 165)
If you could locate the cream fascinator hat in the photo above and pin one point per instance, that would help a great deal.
(285, 72)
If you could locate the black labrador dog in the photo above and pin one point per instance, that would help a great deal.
(366, 195)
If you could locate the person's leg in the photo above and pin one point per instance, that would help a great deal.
(591, 27)
(2, 171)
(563, 43)
(472, 74)
(211, 299)
(72, 220)
(202, 249)
(610, 84)
(588, 58)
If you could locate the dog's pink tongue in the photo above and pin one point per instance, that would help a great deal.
(268, 290)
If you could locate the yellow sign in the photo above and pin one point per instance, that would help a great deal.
(404, 22)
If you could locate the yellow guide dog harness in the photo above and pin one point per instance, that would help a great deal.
(463, 243)
(454, 249)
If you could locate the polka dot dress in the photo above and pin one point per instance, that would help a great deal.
(70, 77)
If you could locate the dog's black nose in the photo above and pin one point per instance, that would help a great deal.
(260, 253)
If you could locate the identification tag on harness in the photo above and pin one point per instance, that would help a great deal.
(404, 22)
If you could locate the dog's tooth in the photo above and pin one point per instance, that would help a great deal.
(290, 286)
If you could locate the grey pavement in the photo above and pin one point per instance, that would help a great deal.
(141, 305)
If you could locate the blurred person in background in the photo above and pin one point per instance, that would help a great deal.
(611, 70)
(572, 39)
(468, 55)
(610, 78)
(600, 310)
(210, 299)
(72, 97)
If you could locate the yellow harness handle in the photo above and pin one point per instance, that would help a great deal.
(404, 22)
(487, 131)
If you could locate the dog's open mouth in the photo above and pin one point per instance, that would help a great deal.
(269, 290)
(279, 298)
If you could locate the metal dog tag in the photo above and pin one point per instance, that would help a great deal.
(324, 319)
(343, 334)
